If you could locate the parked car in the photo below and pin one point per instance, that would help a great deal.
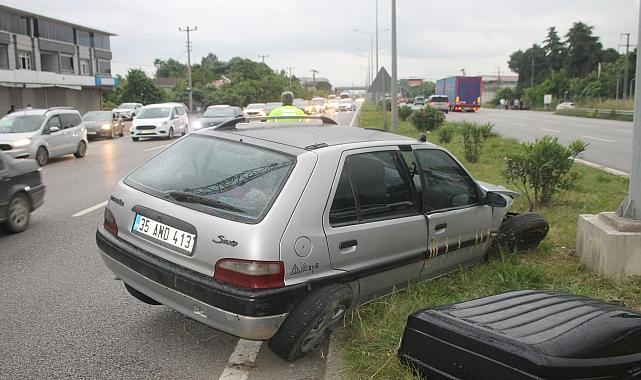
(269, 107)
(128, 110)
(255, 109)
(275, 233)
(215, 115)
(565, 106)
(43, 133)
(103, 124)
(439, 102)
(21, 192)
(163, 120)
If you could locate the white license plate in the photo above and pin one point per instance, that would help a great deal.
(91, 132)
(164, 233)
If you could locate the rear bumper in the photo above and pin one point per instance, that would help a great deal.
(245, 313)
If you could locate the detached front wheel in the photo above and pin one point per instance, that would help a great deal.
(522, 231)
(311, 322)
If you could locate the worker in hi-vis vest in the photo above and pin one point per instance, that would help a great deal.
(287, 109)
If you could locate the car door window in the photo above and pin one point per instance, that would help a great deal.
(54, 122)
(180, 111)
(343, 210)
(447, 185)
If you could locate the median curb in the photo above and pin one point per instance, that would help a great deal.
(601, 167)
(335, 367)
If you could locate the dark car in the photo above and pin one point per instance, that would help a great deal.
(21, 192)
(103, 124)
(215, 115)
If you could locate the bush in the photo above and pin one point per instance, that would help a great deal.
(542, 169)
(404, 112)
(445, 133)
(486, 130)
(472, 141)
(427, 119)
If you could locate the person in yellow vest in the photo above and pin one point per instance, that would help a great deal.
(287, 109)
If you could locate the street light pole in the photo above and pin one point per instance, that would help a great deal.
(394, 89)
(188, 29)
(376, 31)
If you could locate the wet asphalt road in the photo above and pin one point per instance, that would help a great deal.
(62, 313)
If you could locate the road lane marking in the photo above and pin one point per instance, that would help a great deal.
(241, 360)
(550, 130)
(622, 131)
(156, 147)
(598, 139)
(90, 209)
(519, 124)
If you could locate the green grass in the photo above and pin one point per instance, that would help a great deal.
(608, 104)
(373, 332)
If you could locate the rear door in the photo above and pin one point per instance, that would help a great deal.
(459, 223)
(373, 225)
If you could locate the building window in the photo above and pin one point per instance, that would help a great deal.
(66, 63)
(84, 38)
(84, 67)
(4, 57)
(55, 31)
(104, 66)
(24, 59)
(101, 41)
(13, 23)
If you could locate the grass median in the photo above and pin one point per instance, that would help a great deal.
(373, 332)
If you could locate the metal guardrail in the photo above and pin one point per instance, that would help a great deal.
(603, 110)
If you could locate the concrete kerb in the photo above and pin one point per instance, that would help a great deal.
(601, 167)
(335, 367)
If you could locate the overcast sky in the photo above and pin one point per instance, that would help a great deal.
(435, 38)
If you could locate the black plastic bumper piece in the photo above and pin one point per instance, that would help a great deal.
(251, 303)
(524, 335)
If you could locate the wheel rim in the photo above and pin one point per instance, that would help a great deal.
(19, 212)
(82, 149)
(42, 156)
(322, 328)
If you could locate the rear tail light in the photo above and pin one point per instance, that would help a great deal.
(110, 222)
(251, 274)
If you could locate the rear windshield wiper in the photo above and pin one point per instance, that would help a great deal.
(184, 196)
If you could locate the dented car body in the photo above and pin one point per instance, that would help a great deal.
(272, 231)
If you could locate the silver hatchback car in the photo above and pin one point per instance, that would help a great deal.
(43, 133)
(273, 231)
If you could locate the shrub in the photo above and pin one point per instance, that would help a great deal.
(472, 141)
(486, 130)
(427, 119)
(404, 112)
(542, 169)
(445, 133)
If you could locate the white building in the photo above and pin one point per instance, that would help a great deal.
(491, 84)
(46, 62)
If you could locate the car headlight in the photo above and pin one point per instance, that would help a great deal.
(197, 125)
(105, 127)
(21, 142)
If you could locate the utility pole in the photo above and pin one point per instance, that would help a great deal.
(394, 94)
(498, 80)
(532, 74)
(376, 32)
(290, 76)
(626, 66)
(190, 89)
(263, 56)
(314, 72)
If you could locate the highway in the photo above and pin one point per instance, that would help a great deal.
(65, 315)
(610, 141)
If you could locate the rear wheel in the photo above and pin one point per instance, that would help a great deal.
(42, 156)
(522, 231)
(141, 297)
(311, 322)
(81, 150)
(18, 213)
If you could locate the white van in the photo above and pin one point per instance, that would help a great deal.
(162, 120)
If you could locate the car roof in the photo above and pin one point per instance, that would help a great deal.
(42, 111)
(219, 106)
(161, 105)
(304, 136)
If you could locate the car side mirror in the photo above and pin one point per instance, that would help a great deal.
(495, 199)
(53, 129)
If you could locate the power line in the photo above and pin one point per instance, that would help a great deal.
(187, 29)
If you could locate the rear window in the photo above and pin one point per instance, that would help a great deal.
(244, 178)
(439, 99)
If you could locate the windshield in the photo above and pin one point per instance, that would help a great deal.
(256, 105)
(235, 178)
(98, 116)
(154, 113)
(20, 123)
(219, 112)
(127, 106)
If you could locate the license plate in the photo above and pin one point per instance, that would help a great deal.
(157, 231)
(91, 132)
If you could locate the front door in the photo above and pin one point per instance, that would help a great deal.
(56, 139)
(459, 223)
(373, 225)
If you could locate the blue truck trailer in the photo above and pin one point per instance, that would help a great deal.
(464, 93)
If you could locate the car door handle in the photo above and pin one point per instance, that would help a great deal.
(347, 244)
(441, 226)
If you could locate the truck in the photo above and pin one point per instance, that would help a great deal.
(464, 93)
